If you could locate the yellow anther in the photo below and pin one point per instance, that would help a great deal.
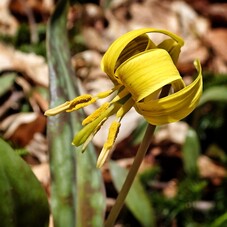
(69, 106)
(80, 102)
(96, 113)
(113, 131)
(81, 99)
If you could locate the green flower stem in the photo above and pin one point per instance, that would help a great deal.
(134, 169)
(131, 176)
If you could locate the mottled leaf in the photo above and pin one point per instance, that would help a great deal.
(77, 197)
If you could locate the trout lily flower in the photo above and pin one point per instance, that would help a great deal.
(139, 69)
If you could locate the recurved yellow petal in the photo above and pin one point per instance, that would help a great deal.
(137, 45)
(172, 47)
(175, 106)
(147, 72)
(120, 49)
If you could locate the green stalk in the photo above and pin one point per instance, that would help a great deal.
(131, 176)
(134, 169)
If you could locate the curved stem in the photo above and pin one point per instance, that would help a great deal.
(134, 169)
(131, 176)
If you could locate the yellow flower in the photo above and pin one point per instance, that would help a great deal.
(139, 69)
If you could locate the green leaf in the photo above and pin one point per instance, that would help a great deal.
(191, 151)
(137, 200)
(6, 82)
(214, 94)
(220, 221)
(23, 200)
(77, 197)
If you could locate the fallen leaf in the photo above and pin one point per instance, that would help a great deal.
(40, 9)
(8, 23)
(38, 148)
(32, 65)
(175, 132)
(20, 128)
(11, 102)
(208, 169)
(42, 172)
(217, 40)
(171, 189)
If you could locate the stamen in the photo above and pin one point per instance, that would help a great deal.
(120, 95)
(105, 94)
(113, 131)
(96, 113)
(57, 109)
(69, 106)
(125, 108)
(80, 102)
(87, 130)
(91, 136)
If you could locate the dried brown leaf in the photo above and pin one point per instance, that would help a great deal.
(217, 39)
(208, 169)
(38, 147)
(171, 189)
(32, 65)
(175, 132)
(20, 128)
(42, 172)
(8, 23)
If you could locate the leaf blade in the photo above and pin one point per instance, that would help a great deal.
(137, 199)
(67, 165)
(214, 94)
(191, 152)
(23, 200)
